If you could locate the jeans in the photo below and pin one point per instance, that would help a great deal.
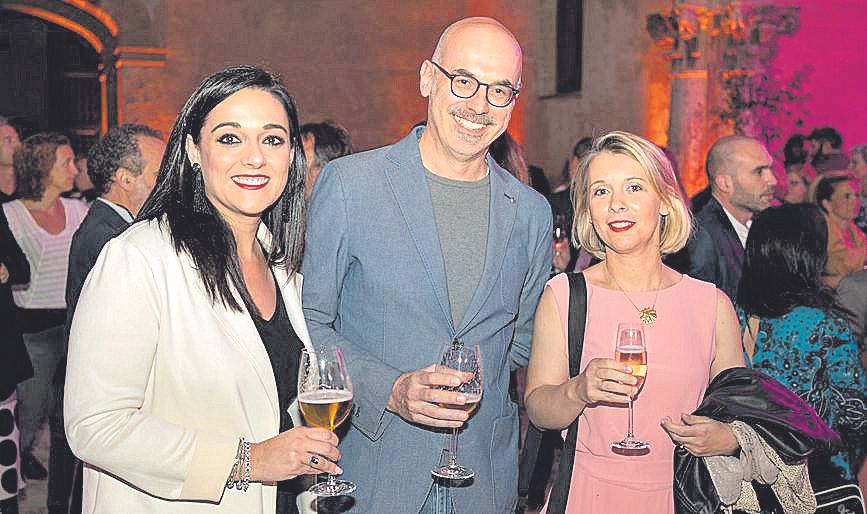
(45, 349)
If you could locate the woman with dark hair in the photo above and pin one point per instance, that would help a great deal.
(184, 347)
(43, 224)
(794, 330)
(839, 196)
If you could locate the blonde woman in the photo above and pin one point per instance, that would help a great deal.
(629, 212)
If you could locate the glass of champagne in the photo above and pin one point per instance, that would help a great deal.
(468, 359)
(631, 350)
(325, 398)
(561, 234)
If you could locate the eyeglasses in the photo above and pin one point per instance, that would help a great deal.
(465, 86)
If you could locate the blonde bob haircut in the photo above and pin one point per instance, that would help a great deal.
(675, 227)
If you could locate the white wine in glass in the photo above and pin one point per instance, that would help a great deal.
(468, 359)
(632, 351)
(325, 399)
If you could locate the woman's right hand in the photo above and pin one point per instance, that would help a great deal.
(289, 453)
(603, 380)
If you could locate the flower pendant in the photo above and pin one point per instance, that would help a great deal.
(647, 315)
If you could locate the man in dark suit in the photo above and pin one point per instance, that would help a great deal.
(123, 167)
(742, 184)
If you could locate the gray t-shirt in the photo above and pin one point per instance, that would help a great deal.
(462, 211)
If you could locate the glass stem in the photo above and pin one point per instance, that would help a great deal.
(453, 449)
(629, 435)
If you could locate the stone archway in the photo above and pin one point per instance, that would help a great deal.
(95, 26)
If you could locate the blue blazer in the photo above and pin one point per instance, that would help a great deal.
(376, 286)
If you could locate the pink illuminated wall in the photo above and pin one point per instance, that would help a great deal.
(833, 41)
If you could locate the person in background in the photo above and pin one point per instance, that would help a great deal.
(852, 293)
(794, 162)
(566, 256)
(742, 184)
(122, 170)
(15, 366)
(839, 195)
(510, 155)
(323, 142)
(858, 164)
(82, 186)
(826, 150)
(185, 343)
(8, 143)
(43, 224)
(629, 212)
(795, 330)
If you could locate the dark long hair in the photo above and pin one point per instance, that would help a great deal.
(785, 255)
(205, 236)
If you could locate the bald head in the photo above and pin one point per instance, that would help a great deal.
(740, 175)
(488, 30)
(726, 152)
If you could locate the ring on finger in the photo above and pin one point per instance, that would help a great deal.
(314, 460)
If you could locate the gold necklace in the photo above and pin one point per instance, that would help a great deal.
(647, 315)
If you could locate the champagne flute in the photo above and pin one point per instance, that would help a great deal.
(467, 359)
(325, 398)
(561, 233)
(631, 350)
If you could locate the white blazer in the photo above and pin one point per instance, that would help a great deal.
(160, 383)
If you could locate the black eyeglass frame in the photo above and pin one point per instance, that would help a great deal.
(479, 84)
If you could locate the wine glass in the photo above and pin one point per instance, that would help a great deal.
(468, 359)
(631, 350)
(325, 398)
(561, 234)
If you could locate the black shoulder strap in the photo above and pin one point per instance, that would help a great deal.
(577, 320)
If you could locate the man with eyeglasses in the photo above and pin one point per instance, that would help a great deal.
(418, 244)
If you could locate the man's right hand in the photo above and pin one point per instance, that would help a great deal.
(415, 397)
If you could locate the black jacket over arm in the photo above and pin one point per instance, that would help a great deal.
(714, 253)
(785, 421)
(14, 362)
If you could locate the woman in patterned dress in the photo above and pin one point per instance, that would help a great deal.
(794, 329)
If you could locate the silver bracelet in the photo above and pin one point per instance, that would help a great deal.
(239, 478)
(245, 482)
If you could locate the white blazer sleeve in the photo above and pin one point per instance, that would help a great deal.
(112, 344)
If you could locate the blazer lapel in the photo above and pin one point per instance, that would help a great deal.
(411, 192)
(504, 203)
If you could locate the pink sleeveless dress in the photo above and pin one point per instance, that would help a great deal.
(680, 349)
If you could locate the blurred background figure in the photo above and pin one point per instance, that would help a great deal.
(839, 196)
(795, 156)
(15, 366)
(852, 292)
(566, 255)
(82, 187)
(826, 150)
(858, 164)
(510, 155)
(323, 142)
(795, 330)
(742, 183)
(8, 143)
(43, 224)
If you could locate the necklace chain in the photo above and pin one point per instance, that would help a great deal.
(647, 315)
